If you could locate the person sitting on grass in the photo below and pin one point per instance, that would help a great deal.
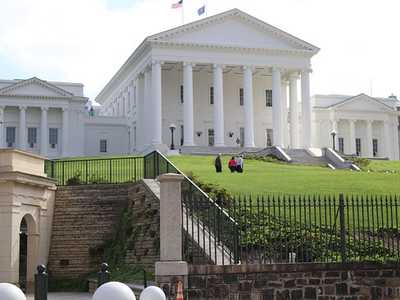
(218, 164)
(232, 164)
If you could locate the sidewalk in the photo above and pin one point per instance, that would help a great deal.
(65, 296)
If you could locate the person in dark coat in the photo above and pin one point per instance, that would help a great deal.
(218, 164)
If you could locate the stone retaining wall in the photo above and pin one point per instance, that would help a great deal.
(290, 281)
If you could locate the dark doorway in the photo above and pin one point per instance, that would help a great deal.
(23, 254)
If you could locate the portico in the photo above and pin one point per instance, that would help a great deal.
(223, 81)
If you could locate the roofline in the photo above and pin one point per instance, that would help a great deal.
(352, 97)
(150, 38)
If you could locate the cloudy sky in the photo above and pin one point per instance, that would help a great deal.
(88, 40)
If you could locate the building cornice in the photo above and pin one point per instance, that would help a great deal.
(233, 48)
(42, 97)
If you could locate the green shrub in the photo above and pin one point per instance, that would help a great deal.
(360, 161)
(74, 180)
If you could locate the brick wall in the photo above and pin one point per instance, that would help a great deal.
(84, 218)
(302, 281)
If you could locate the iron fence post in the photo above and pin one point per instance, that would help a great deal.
(144, 278)
(52, 163)
(104, 275)
(41, 283)
(342, 219)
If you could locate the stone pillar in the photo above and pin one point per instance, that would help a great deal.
(218, 106)
(22, 127)
(277, 107)
(147, 108)
(284, 96)
(368, 142)
(188, 123)
(156, 103)
(170, 263)
(387, 140)
(65, 132)
(306, 108)
(2, 130)
(334, 129)
(248, 107)
(294, 111)
(352, 137)
(44, 132)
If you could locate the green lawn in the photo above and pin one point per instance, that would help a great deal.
(265, 178)
(384, 165)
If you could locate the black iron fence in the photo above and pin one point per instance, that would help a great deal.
(205, 238)
(95, 170)
(288, 229)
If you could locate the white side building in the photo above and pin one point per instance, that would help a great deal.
(50, 119)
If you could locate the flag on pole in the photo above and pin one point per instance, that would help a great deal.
(201, 10)
(177, 4)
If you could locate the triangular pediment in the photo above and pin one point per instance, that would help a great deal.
(363, 102)
(234, 28)
(34, 87)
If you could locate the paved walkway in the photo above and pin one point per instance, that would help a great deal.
(65, 296)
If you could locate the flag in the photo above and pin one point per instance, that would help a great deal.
(201, 10)
(177, 4)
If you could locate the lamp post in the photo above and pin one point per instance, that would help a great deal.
(172, 127)
(333, 134)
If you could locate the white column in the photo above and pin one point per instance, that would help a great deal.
(395, 134)
(22, 127)
(218, 83)
(387, 140)
(248, 107)
(352, 141)
(306, 108)
(156, 102)
(65, 133)
(188, 123)
(368, 143)
(335, 129)
(147, 123)
(294, 111)
(44, 132)
(277, 107)
(284, 107)
(2, 131)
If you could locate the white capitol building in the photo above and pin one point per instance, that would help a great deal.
(226, 81)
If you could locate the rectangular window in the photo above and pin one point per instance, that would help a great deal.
(341, 145)
(375, 147)
(268, 98)
(210, 137)
(182, 135)
(211, 95)
(269, 134)
(241, 96)
(103, 146)
(10, 136)
(53, 137)
(358, 147)
(181, 93)
(32, 136)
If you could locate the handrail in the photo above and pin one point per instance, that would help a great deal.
(193, 184)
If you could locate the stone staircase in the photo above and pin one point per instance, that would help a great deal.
(303, 157)
(197, 231)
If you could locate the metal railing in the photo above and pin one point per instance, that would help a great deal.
(208, 230)
(289, 229)
(96, 170)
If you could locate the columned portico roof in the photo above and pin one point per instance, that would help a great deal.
(233, 39)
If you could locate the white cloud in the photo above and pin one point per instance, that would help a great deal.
(84, 41)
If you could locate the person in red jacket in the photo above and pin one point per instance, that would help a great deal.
(232, 164)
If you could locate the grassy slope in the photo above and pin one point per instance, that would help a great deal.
(261, 177)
